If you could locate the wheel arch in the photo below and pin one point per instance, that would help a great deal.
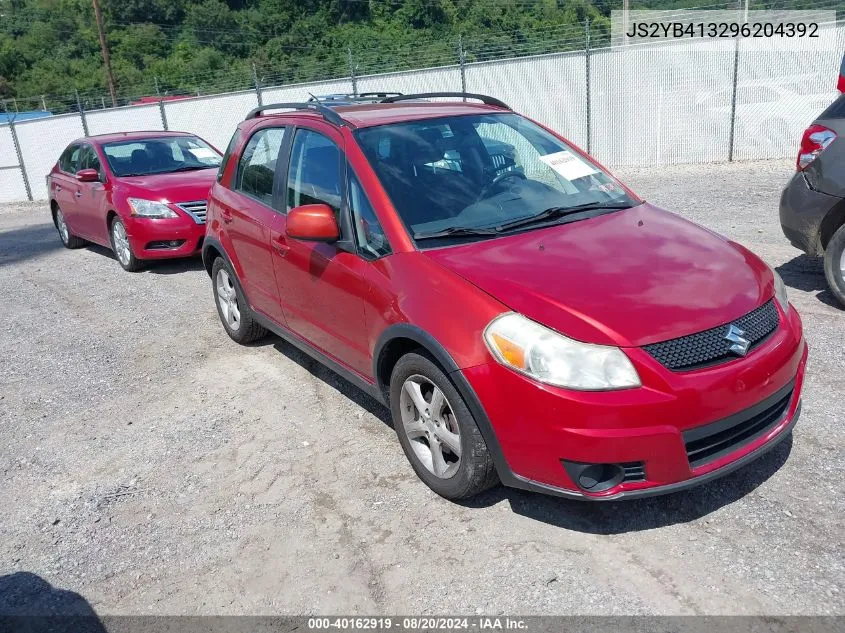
(834, 219)
(402, 338)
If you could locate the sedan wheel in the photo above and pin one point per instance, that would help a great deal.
(227, 299)
(431, 427)
(60, 224)
(121, 243)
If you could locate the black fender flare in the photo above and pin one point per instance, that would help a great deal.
(430, 344)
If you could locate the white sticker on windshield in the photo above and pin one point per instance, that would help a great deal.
(202, 152)
(568, 165)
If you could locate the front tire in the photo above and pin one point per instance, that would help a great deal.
(437, 431)
(122, 248)
(68, 239)
(232, 308)
(834, 264)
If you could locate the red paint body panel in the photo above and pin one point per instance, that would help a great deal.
(627, 279)
(87, 214)
(538, 425)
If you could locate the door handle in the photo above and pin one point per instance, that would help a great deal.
(226, 216)
(281, 245)
(58, 188)
(78, 194)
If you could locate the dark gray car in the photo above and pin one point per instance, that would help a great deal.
(812, 205)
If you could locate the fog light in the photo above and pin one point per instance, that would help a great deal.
(595, 477)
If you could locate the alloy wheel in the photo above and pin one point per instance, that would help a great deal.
(64, 233)
(121, 243)
(227, 299)
(842, 265)
(430, 425)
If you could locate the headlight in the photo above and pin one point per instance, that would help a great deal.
(554, 359)
(780, 292)
(150, 209)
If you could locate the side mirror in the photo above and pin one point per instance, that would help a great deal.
(312, 223)
(88, 175)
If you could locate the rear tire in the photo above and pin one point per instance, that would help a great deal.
(122, 248)
(234, 312)
(68, 239)
(834, 264)
(437, 431)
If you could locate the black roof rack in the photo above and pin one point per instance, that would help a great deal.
(461, 95)
(348, 98)
(327, 113)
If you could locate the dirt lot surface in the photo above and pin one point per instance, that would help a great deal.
(153, 466)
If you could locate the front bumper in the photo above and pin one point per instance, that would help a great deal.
(538, 427)
(802, 211)
(149, 237)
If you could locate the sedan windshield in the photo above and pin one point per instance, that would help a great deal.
(166, 154)
(475, 177)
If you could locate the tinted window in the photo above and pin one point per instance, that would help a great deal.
(88, 159)
(162, 155)
(370, 236)
(257, 167)
(70, 159)
(314, 175)
(481, 171)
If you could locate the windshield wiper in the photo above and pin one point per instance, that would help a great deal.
(456, 231)
(559, 212)
(192, 168)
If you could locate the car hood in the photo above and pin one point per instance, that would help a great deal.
(627, 278)
(183, 186)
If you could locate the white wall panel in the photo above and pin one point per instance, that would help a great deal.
(128, 119)
(301, 92)
(211, 118)
(655, 105)
(550, 89)
(42, 141)
(446, 79)
(7, 147)
(12, 188)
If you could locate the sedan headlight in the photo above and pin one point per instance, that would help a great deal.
(554, 359)
(150, 209)
(780, 292)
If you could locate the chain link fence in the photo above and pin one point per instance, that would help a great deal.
(645, 105)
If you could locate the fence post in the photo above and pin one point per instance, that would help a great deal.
(257, 86)
(352, 73)
(81, 114)
(733, 95)
(587, 68)
(462, 58)
(19, 156)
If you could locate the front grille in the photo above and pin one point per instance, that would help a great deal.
(634, 471)
(196, 210)
(711, 347)
(709, 442)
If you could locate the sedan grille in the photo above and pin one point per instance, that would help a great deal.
(711, 347)
(709, 442)
(196, 210)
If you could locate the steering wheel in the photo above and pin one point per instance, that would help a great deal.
(497, 180)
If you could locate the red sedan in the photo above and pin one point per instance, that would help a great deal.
(142, 194)
(525, 316)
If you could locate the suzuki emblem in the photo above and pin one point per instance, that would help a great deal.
(737, 336)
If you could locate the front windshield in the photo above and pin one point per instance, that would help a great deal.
(161, 155)
(482, 172)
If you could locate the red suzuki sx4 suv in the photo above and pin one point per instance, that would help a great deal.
(525, 316)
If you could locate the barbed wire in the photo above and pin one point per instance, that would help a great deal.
(335, 65)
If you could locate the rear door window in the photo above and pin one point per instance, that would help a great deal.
(257, 167)
(69, 161)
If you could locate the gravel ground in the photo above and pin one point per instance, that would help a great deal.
(153, 466)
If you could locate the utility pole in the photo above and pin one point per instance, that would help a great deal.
(98, 15)
(625, 17)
